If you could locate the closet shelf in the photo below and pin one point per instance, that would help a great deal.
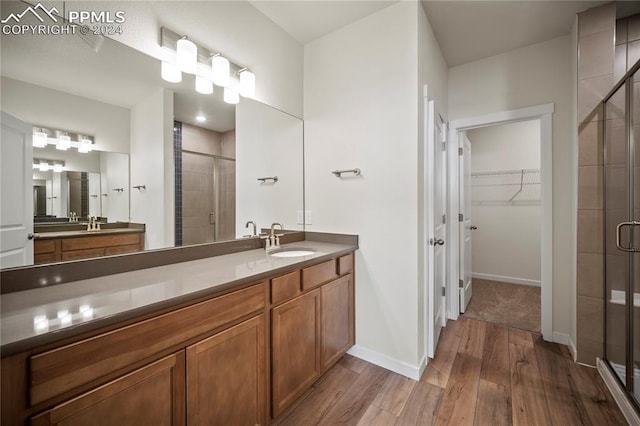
(506, 187)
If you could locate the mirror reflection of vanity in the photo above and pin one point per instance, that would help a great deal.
(152, 164)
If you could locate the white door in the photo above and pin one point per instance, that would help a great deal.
(16, 189)
(436, 223)
(465, 224)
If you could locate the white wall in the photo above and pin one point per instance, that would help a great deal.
(505, 231)
(268, 143)
(109, 124)
(235, 28)
(115, 206)
(152, 165)
(365, 113)
(532, 75)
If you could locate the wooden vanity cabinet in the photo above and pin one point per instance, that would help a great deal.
(85, 247)
(153, 394)
(310, 332)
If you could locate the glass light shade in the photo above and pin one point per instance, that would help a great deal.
(85, 145)
(231, 96)
(40, 139)
(171, 73)
(57, 168)
(203, 85)
(43, 167)
(64, 142)
(220, 71)
(187, 56)
(247, 84)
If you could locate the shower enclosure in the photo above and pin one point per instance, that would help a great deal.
(622, 231)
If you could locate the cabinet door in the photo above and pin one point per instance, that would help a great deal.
(226, 377)
(152, 395)
(295, 348)
(337, 319)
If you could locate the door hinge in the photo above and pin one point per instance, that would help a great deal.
(444, 291)
(460, 283)
(460, 217)
(444, 146)
(460, 152)
(444, 219)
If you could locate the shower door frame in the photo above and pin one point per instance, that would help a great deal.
(627, 81)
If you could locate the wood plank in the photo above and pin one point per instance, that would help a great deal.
(528, 399)
(376, 416)
(520, 337)
(495, 356)
(472, 340)
(494, 404)
(439, 368)
(329, 389)
(353, 404)
(422, 406)
(598, 402)
(352, 363)
(459, 401)
(394, 394)
(565, 406)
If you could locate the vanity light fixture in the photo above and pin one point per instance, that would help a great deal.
(186, 55)
(44, 165)
(220, 68)
(64, 141)
(247, 83)
(182, 55)
(40, 138)
(203, 85)
(171, 73)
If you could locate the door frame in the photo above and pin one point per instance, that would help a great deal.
(544, 114)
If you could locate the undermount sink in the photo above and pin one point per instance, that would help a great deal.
(292, 252)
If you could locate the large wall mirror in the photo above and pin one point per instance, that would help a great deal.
(184, 164)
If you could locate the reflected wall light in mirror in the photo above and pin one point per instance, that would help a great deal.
(183, 55)
(62, 140)
(45, 165)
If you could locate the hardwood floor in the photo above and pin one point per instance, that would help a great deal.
(482, 374)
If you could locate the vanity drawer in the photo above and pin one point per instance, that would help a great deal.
(63, 369)
(316, 275)
(80, 243)
(345, 264)
(44, 246)
(285, 287)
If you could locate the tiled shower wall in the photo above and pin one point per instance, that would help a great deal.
(596, 38)
(606, 50)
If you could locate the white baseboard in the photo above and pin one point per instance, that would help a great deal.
(618, 393)
(565, 339)
(388, 363)
(510, 280)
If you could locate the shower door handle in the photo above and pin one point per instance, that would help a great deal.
(619, 233)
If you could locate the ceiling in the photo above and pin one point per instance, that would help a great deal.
(466, 30)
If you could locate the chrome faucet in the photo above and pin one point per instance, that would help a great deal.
(253, 234)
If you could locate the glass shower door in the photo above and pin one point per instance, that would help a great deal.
(622, 234)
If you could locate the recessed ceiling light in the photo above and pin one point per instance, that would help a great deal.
(201, 118)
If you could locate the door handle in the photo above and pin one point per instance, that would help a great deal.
(473, 228)
(434, 242)
(619, 234)
(32, 235)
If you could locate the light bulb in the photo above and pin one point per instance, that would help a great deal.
(40, 139)
(203, 85)
(220, 70)
(187, 55)
(44, 166)
(64, 142)
(170, 73)
(247, 84)
(231, 96)
(57, 168)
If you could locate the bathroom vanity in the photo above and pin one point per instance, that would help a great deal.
(63, 242)
(228, 339)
